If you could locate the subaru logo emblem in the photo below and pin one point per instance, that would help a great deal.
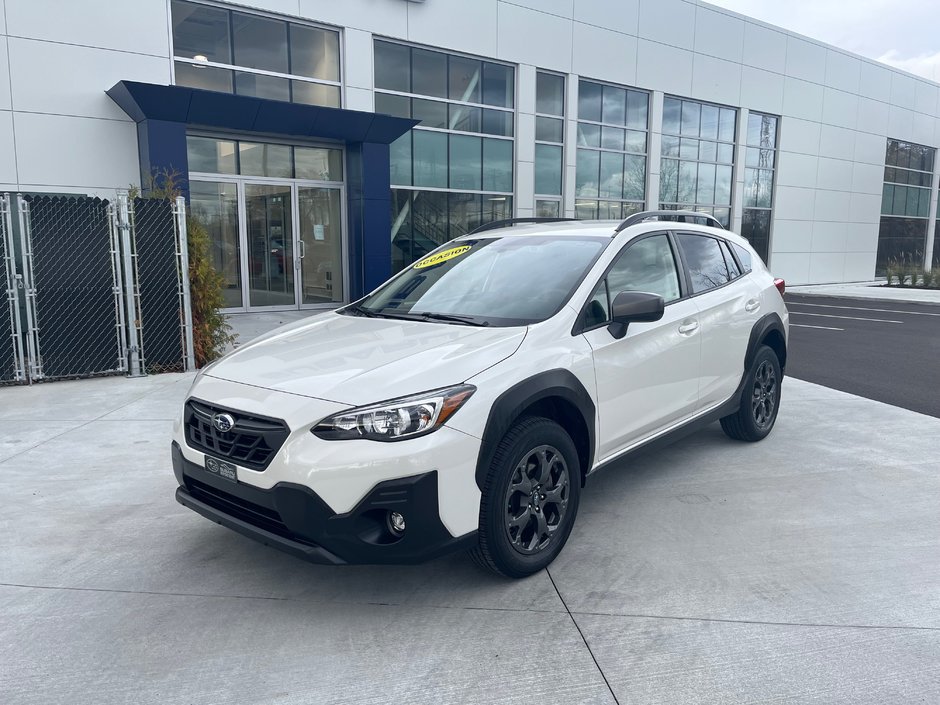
(223, 422)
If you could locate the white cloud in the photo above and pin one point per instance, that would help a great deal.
(926, 65)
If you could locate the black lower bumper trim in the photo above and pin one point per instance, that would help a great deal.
(294, 519)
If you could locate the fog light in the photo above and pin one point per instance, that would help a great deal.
(397, 522)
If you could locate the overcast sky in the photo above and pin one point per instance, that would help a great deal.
(904, 33)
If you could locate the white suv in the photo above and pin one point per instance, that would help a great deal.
(464, 402)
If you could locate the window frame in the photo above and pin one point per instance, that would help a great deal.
(556, 198)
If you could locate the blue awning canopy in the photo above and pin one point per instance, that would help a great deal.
(224, 111)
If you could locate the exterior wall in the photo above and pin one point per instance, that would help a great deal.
(60, 132)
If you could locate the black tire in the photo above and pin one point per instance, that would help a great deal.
(760, 399)
(525, 521)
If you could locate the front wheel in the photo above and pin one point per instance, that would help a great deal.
(760, 399)
(530, 499)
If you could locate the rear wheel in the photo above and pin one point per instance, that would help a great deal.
(530, 499)
(760, 399)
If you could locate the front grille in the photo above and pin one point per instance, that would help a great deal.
(251, 442)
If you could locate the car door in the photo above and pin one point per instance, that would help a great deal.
(727, 309)
(647, 380)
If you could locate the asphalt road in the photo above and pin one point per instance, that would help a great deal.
(888, 351)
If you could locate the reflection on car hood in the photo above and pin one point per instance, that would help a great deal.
(356, 361)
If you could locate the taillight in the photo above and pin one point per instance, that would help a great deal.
(781, 286)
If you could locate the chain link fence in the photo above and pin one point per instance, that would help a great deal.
(101, 286)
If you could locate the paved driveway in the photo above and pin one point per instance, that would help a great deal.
(804, 568)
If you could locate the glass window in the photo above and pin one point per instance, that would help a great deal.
(430, 113)
(257, 159)
(464, 79)
(261, 86)
(597, 311)
(733, 269)
(465, 162)
(318, 164)
(703, 258)
(212, 156)
(397, 105)
(550, 94)
(672, 108)
(315, 94)
(549, 130)
(547, 209)
(744, 257)
(259, 42)
(497, 85)
(208, 78)
(647, 265)
(465, 118)
(464, 213)
(497, 122)
(430, 159)
(429, 73)
(756, 228)
(617, 174)
(400, 157)
(548, 167)
(201, 31)
(216, 206)
(590, 101)
(392, 67)
(314, 52)
(497, 165)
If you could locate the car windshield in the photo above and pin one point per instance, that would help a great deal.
(500, 281)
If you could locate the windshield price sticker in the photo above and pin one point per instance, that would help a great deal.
(442, 257)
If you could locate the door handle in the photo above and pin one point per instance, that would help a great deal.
(303, 248)
(752, 305)
(688, 328)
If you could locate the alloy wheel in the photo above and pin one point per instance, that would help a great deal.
(764, 399)
(537, 499)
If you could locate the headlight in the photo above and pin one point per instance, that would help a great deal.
(396, 419)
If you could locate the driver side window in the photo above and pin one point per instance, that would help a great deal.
(647, 265)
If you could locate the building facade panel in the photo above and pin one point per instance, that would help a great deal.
(813, 198)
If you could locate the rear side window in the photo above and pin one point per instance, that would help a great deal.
(733, 268)
(744, 257)
(706, 264)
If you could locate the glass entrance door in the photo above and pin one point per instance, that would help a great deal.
(277, 244)
(269, 226)
(321, 245)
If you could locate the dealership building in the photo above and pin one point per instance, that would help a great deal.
(328, 143)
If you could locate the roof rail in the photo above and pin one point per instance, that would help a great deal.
(512, 221)
(679, 216)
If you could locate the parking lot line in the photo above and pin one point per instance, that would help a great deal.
(800, 325)
(859, 308)
(845, 318)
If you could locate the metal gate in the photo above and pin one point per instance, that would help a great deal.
(11, 343)
(89, 282)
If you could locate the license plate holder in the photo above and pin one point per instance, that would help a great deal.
(222, 469)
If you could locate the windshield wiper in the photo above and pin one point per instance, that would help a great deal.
(465, 320)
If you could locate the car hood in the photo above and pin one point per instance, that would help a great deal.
(353, 360)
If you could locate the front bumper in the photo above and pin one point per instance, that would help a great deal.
(293, 518)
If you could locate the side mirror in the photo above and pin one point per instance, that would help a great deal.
(634, 307)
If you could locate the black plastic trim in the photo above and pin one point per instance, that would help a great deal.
(764, 325)
(512, 403)
(293, 518)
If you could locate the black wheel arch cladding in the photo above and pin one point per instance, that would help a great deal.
(556, 394)
(767, 331)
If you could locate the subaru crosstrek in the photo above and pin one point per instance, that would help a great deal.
(464, 403)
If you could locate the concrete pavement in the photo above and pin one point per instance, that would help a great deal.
(803, 568)
(869, 290)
